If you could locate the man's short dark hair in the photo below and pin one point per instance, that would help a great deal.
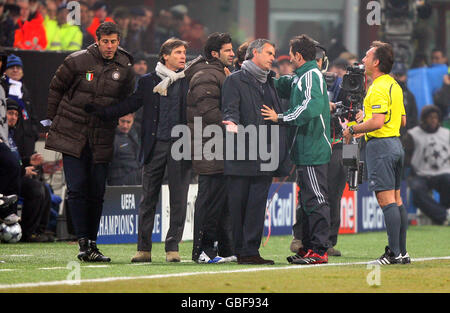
(215, 42)
(385, 54)
(240, 54)
(107, 28)
(438, 50)
(304, 45)
(168, 46)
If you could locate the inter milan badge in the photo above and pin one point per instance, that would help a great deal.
(115, 75)
(89, 76)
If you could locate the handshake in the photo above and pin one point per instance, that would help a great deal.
(95, 109)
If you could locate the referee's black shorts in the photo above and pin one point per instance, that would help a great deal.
(384, 162)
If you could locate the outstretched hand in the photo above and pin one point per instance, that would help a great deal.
(230, 126)
(269, 113)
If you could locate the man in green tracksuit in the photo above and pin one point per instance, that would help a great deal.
(309, 112)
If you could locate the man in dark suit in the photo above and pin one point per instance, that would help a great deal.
(163, 95)
(243, 95)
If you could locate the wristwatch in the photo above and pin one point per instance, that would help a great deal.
(351, 130)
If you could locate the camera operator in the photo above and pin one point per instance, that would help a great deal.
(384, 115)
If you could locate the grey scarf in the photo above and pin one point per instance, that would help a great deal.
(255, 71)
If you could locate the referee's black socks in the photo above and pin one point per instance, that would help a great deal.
(393, 220)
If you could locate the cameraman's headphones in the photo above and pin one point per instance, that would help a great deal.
(323, 56)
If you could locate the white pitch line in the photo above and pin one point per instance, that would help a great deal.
(248, 270)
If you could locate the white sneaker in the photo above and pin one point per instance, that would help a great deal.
(232, 258)
(11, 219)
(205, 259)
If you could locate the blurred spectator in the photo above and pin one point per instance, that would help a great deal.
(121, 16)
(276, 69)
(179, 13)
(148, 18)
(9, 168)
(163, 29)
(86, 17)
(140, 68)
(48, 9)
(36, 197)
(420, 60)
(399, 72)
(442, 100)
(339, 66)
(26, 133)
(427, 151)
(62, 36)
(438, 57)
(240, 56)
(100, 9)
(148, 25)
(196, 38)
(125, 168)
(8, 23)
(31, 33)
(135, 31)
(284, 62)
(350, 57)
(140, 65)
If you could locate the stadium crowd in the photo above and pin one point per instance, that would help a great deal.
(43, 25)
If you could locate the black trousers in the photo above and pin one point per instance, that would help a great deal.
(36, 207)
(313, 222)
(10, 175)
(179, 176)
(86, 188)
(421, 188)
(247, 199)
(212, 219)
(337, 179)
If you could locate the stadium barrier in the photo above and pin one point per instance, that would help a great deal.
(360, 212)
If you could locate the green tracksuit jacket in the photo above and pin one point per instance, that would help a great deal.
(310, 112)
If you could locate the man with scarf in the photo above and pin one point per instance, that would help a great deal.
(27, 128)
(163, 95)
(243, 95)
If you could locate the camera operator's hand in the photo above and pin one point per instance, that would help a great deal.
(347, 136)
(36, 159)
(332, 106)
(359, 116)
(30, 171)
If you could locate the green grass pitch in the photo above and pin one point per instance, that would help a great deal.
(49, 267)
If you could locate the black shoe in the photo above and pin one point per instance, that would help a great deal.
(254, 260)
(406, 259)
(94, 255)
(6, 201)
(388, 258)
(84, 247)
